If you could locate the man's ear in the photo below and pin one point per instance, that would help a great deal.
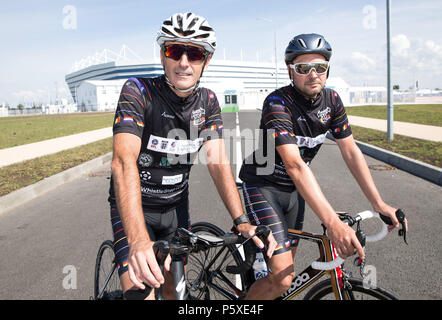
(290, 73)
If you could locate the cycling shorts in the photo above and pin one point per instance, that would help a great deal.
(160, 226)
(277, 209)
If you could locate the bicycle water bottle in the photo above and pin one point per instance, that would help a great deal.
(259, 266)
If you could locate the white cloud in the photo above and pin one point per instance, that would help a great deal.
(400, 45)
(360, 62)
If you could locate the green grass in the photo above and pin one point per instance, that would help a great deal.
(423, 150)
(16, 131)
(19, 175)
(429, 114)
(21, 130)
(231, 109)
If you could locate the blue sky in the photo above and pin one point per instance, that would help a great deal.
(37, 51)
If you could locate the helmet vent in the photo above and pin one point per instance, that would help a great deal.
(180, 22)
(302, 43)
(319, 43)
(192, 23)
(184, 33)
(203, 36)
(167, 31)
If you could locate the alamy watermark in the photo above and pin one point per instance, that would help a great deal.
(70, 280)
(69, 17)
(370, 277)
(369, 21)
(178, 146)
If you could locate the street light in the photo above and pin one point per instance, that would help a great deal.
(276, 60)
(390, 114)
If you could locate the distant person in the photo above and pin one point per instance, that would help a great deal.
(301, 114)
(157, 119)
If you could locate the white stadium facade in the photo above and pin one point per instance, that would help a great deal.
(237, 84)
(95, 82)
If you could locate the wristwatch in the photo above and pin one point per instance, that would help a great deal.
(241, 219)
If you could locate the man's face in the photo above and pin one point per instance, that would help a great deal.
(183, 73)
(309, 85)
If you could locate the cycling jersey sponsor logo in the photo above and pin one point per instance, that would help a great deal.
(301, 118)
(169, 180)
(169, 116)
(145, 160)
(173, 146)
(151, 191)
(198, 117)
(310, 142)
(324, 115)
(145, 175)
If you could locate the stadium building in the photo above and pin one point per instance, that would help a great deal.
(96, 81)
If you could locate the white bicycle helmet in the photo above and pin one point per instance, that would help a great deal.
(187, 27)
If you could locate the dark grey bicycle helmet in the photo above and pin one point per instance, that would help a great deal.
(307, 43)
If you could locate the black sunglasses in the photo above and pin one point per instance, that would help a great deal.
(175, 51)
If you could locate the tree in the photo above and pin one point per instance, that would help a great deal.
(20, 107)
(396, 87)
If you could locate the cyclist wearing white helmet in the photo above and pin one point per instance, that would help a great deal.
(149, 190)
(301, 114)
(186, 33)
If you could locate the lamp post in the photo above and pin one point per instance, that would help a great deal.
(390, 114)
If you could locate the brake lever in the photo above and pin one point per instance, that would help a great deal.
(401, 218)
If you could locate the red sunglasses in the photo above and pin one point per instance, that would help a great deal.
(175, 51)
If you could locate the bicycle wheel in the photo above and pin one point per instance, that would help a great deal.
(206, 276)
(106, 281)
(324, 291)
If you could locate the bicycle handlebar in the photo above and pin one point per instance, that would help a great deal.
(373, 238)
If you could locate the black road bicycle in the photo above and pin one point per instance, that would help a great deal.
(210, 277)
(216, 269)
(106, 280)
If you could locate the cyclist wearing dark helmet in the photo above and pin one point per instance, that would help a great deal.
(157, 119)
(301, 114)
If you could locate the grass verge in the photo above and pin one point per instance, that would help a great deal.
(27, 129)
(20, 175)
(429, 114)
(423, 150)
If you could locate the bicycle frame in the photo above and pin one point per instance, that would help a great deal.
(306, 278)
(309, 275)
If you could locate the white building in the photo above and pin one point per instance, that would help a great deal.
(237, 84)
(4, 110)
(98, 95)
(61, 107)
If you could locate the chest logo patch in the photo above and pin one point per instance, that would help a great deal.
(198, 117)
(324, 115)
(145, 160)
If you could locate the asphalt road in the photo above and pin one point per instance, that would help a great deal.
(55, 237)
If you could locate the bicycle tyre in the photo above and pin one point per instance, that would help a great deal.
(105, 267)
(324, 288)
(212, 283)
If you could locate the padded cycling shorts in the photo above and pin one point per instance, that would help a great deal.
(160, 226)
(277, 209)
